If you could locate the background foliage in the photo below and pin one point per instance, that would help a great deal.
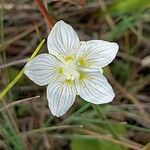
(124, 124)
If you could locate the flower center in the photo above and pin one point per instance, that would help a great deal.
(70, 71)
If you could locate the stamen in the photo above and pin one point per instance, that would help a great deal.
(69, 69)
(68, 82)
(82, 62)
(60, 71)
(82, 76)
(69, 58)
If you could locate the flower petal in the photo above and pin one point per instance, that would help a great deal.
(62, 40)
(42, 69)
(94, 88)
(61, 97)
(96, 53)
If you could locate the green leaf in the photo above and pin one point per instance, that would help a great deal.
(127, 6)
(121, 27)
(93, 144)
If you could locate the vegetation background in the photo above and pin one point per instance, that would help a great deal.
(25, 120)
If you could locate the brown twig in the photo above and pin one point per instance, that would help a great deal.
(16, 62)
(108, 138)
(18, 102)
(17, 37)
(49, 20)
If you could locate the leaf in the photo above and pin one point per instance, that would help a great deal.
(93, 144)
(127, 6)
(121, 27)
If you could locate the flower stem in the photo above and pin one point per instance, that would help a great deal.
(11, 84)
(104, 118)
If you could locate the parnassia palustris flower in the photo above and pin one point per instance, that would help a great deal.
(71, 68)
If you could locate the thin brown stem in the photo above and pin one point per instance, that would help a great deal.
(18, 102)
(108, 138)
(49, 20)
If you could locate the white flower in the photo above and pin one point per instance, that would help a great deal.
(72, 68)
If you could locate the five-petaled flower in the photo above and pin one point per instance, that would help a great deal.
(72, 68)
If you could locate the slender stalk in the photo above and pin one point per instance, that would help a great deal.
(49, 20)
(11, 84)
(103, 117)
(83, 120)
(82, 109)
(18, 102)
(106, 138)
(44, 129)
(13, 63)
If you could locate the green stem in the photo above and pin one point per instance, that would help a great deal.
(52, 128)
(79, 111)
(103, 117)
(11, 84)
